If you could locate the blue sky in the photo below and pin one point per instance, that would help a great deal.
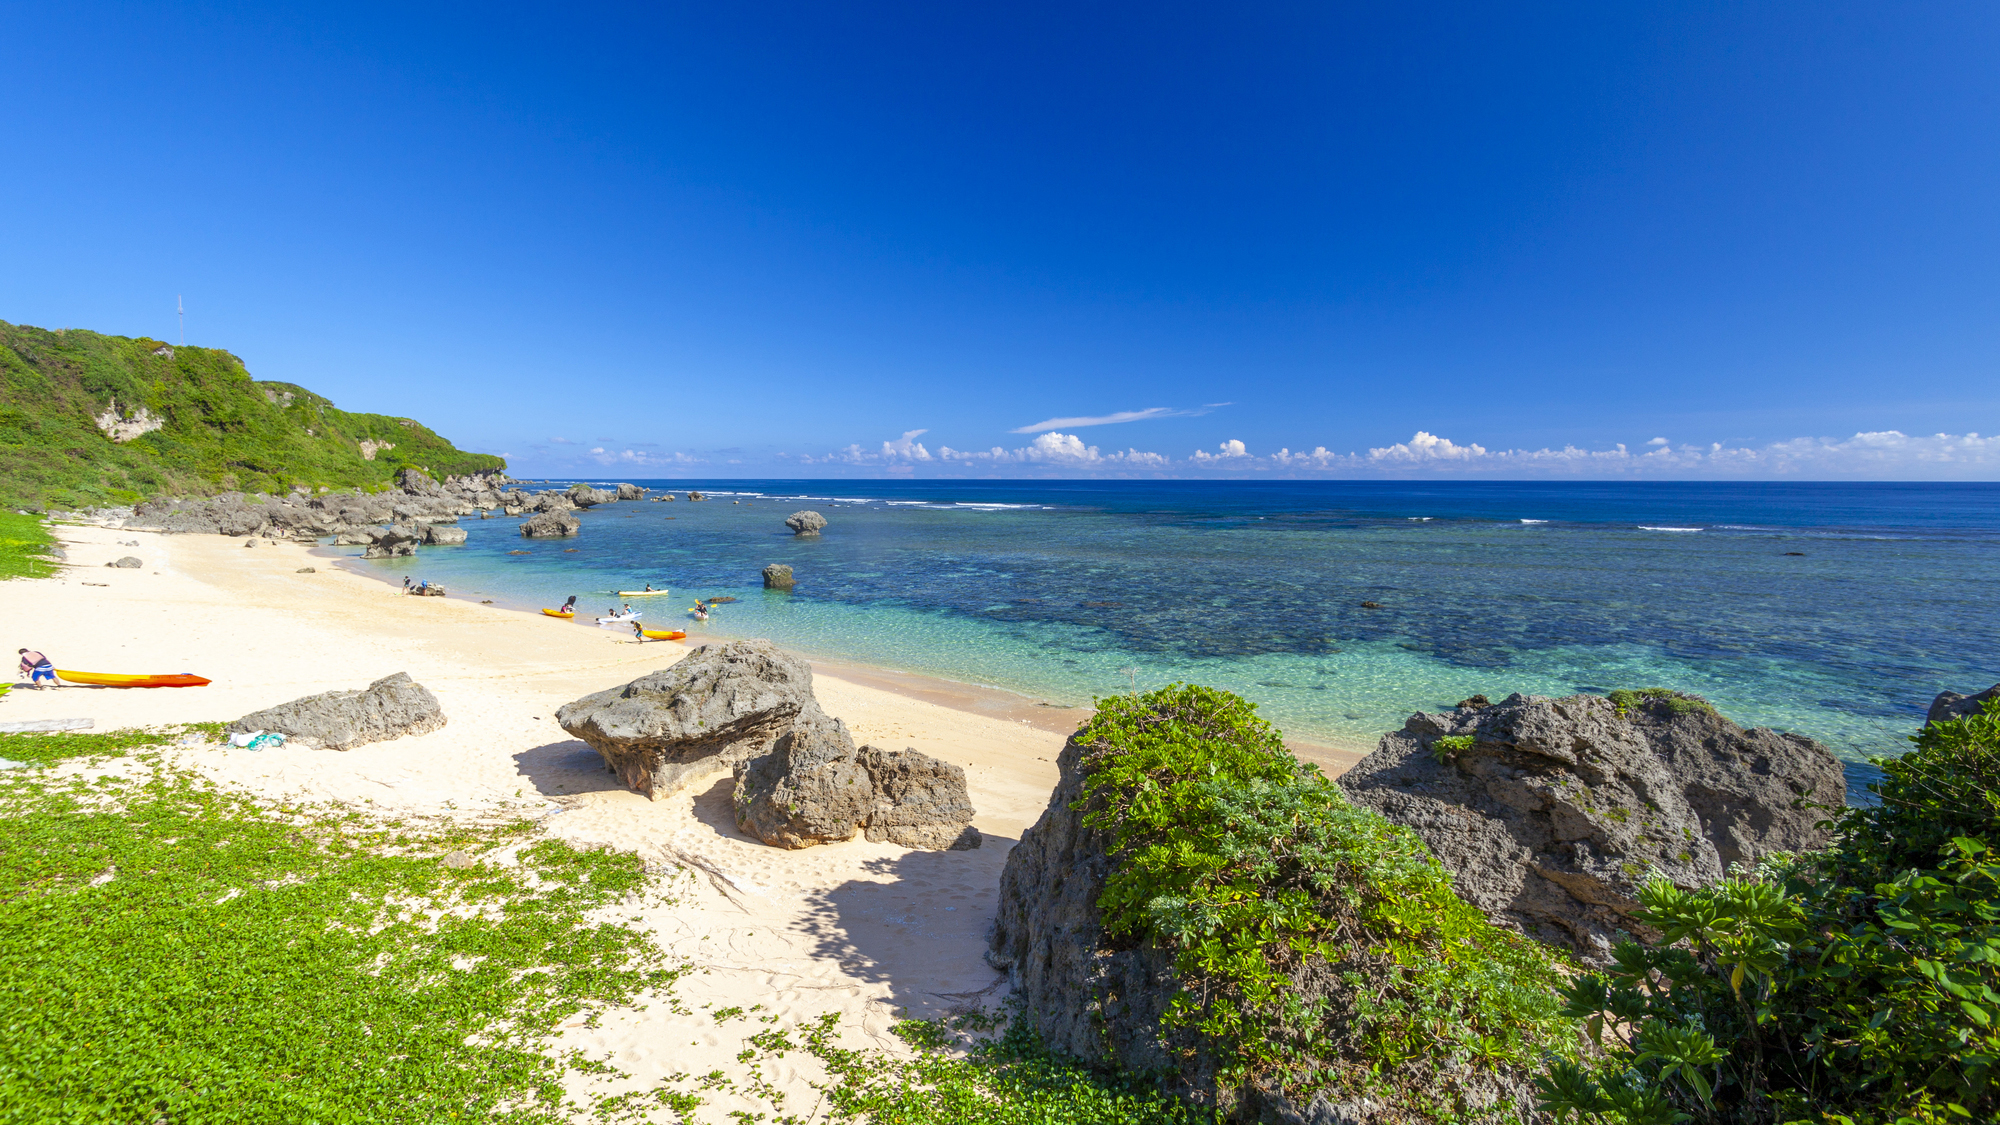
(807, 239)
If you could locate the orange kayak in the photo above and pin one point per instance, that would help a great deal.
(558, 613)
(663, 634)
(112, 679)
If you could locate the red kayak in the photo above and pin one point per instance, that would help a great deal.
(113, 679)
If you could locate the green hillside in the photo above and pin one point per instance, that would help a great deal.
(207, 426)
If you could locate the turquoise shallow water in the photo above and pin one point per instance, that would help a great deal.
(1836, 611)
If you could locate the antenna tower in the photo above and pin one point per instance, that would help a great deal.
(181, 311)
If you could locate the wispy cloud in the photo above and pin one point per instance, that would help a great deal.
(1145, 415)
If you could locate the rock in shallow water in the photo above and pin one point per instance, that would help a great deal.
(550, 525)
(391, 707)
(1551, 813)
(806, 523)
(1951, 705)
(777, 576)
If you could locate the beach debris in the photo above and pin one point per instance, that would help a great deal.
(720, 705)
(1552, 813)
(805, 523)
(777, 576)
(257, 740)
(550, 525)
(389, 708)
(129, 562)
(815, 787)
(306, 570)
(1951, 705)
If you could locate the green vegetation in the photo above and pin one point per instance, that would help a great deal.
(219, 429)
(1450, 744)
(1257, 874)
(24, 547)
(42, 749)
(175, 953)
(1858, 986)
(1676, 702)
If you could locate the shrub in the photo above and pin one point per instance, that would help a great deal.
(1256, 873)
(1858, 986)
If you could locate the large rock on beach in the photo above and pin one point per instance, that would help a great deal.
(777, 576)
(436, 535)
(814, 787)
(1951, 705)
(722, 704)
(129, 562)
(550, 525)
(394, 541)
(390, 707)
(806, 523)
(1551, 813)
(920, 802)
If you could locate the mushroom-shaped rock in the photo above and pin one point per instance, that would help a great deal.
(696, 496)
(777, 576)
(722, 704)
(550, 525)
(805, 523)
(390, 707)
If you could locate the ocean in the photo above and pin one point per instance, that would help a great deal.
(1834, 610)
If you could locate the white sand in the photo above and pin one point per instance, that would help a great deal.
(867, 930)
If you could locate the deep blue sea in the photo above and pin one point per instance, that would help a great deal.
(1833, 610)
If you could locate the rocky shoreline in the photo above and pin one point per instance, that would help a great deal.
(416, 511)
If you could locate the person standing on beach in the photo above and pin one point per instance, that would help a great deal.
(37, 668)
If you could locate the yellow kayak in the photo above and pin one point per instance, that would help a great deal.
(642, 593)
(114, 679)
(663, 634)
(558, 613)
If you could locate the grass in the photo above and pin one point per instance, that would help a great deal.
(176, 953)
(24, 546)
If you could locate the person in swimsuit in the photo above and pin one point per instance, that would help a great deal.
(40, 672)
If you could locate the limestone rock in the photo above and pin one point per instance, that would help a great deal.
(722, 704)
(1551, 813)
(809, 789)
(306, 570)
(550, 525)
(129, 562)
(696, 496)
(395, 541)
(1951, 705)
(443, 536)
(805, 523)
(630, 492)
(390, 707)
(777, 576)
(584, 496)
(920, 802)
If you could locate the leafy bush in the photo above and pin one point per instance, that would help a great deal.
(1858, 986)
(219, 428)
(1255, 871)
(1678, 703)
(24, 547)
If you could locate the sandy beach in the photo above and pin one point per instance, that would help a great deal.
(865, 930)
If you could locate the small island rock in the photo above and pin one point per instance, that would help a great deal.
(777, 576)
(550, 525)
(805, 523)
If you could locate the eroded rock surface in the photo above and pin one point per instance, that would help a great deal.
(550, 525)
(815, 787)
(805, 523)
(391, 707)
(777, 576)
(722, 704)
(1551, 813)
(1951, 705)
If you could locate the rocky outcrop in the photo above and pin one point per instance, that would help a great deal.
(631, 492)
(395, 541)
(814, 787)
(550, 525)
(390, 707)
(1951, 705)
(584, 496)
(777, 576)
(805, 523)
(722, 704)
(696, 496)
(1551, 813)
(440, 536)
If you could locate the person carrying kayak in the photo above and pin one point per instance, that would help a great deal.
(37, 668)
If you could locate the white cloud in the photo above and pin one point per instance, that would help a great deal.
(1114, 418)
(1658, 441)
(1427, 447)
(905, 449)
(642, 458)
(1058, 449)
(1883, 454)
(1231, 450)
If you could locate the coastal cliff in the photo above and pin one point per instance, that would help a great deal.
(88, 419)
